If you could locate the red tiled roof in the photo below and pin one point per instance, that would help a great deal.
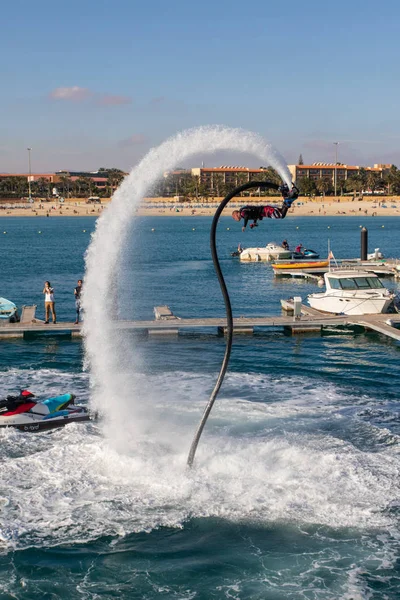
(348, 167)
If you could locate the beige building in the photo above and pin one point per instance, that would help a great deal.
(214, 176)
(326, 171)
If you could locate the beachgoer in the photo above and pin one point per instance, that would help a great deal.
(49, 304)
(285, 245)
(77, 294)
(257, 213)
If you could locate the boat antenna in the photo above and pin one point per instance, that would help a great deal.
(329, 254)
(228, 308)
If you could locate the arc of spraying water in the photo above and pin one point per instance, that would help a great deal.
(228, 308)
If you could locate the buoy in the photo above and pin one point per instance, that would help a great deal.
(296, 227)
(193, 229)
(39, 232)
(4, 231)
(84, 230)
(153, 229)
(329, 226)
(383, 226)
(228, 228)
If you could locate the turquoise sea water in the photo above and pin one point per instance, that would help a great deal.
(295, 491)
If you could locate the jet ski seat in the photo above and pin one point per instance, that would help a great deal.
(54, 404)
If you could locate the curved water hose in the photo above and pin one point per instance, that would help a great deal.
(228, 308)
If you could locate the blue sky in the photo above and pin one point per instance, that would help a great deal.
(89, 84)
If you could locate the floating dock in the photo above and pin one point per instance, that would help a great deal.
(167, 324)
(315, 272)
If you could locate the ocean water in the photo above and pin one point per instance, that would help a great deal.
(295, 488)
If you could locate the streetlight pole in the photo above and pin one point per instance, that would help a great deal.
(336, 149)
(29, 176)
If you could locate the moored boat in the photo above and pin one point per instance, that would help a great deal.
(304, 264)
(8, 310)
(352, 293)
(271, 251)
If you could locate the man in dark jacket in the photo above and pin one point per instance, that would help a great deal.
(257, 213)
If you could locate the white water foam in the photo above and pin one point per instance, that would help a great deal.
(72, 486)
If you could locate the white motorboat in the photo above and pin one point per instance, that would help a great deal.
(8, 311)
(352, 292)
(271, 251)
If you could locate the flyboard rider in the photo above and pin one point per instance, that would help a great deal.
(257, 213)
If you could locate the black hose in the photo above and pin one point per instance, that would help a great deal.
(228, 308)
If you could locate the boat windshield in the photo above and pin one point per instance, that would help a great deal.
(355, 283)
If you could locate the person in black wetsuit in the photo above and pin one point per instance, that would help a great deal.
(257, 213)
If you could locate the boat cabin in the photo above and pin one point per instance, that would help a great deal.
(353, 281)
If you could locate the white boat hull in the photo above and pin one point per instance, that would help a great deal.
(349, 304)
(265, 253)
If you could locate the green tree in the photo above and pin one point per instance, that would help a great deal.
(115, 176)
(65, 185)
(269, 174)
(218, 184)
(362, 177)
(353, 184)
(82, 186)
(204, 191)
(306, 186)
(374, 181)
(13, 186)
(391, 179)
(323, 186)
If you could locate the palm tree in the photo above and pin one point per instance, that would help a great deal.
(218, 184)
(306, 186)
(65, 181)
(373, 181)
(15, 186)
(115, 176)
(323, 186)
(44, 185)
(362, 176)
(82, 186)
(353, 184)
(392, 179)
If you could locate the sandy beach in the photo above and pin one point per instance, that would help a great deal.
(344, 206)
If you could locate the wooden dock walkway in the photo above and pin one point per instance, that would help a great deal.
(311, 320)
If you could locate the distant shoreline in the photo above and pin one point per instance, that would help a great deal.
(328, 207)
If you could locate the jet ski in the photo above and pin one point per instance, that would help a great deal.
(305, 253)
(26, 414)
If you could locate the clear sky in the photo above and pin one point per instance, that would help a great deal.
(96, 84)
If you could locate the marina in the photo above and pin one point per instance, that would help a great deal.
(199, 361)
(167, 324)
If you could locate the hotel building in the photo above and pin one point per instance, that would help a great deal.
(326, 171)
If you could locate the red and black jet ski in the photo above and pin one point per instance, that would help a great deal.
(26, 414)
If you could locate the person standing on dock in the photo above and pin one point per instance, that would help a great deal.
(77, 294)
(49, 304)
(257, 213)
